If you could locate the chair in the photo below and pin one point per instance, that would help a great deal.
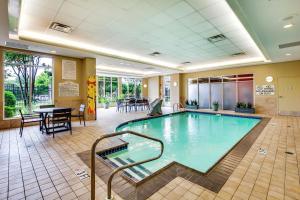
(155, 107)
(120, 105)
(139, 104)
(132, 103)
(61, 118)
(80, 114)
(28, 118)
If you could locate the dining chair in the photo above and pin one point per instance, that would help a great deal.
(28, 118)
(120, 105)
(61, 118)
(80, 114)
(132, 104)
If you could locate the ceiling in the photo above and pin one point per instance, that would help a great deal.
(122, 34)
(265, 20)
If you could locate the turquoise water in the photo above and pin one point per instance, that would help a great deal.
(195, 140)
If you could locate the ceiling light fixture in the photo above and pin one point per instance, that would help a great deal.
(49, 39)
(52, 51)
(290, 25)
(122, 70)
(288, 54)
(225, 63)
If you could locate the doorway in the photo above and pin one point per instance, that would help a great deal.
(289, 95)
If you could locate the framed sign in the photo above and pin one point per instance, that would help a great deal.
(265, 90)
(68, 70)
(68, 89)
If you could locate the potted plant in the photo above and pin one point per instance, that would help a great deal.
(193, 104)
(215, 106)
(242, 107)
(105, 102)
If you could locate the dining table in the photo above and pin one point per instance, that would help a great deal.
(44, 113)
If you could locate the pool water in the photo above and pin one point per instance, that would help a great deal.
(196, 140)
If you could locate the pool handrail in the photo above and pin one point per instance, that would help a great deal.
(93, 152)
(178, 105)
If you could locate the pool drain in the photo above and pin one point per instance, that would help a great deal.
(262, 151)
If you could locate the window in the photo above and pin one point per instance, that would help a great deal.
(27, 82)
(132, 87)
(108, 88)
(167, 82)
(226, 90)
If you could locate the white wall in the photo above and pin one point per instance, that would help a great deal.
(174, 90)
(153, 88)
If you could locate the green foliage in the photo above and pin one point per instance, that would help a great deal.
(42, 83)
(241, 105)
(194, 102)
(10, 99)
(215, 103)
(249, 105)
(104, 100)
(9, 111)
(187, 102)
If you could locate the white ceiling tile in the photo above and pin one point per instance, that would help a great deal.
(161, 19)
(201, 27)
(200, 4)
(73, 10)
(191, 19)
(215, 10)
(179, 10)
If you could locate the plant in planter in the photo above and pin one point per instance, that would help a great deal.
(105, 102)
(242, 107)
(193, 104)
(215, 106)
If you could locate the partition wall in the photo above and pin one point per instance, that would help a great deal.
(226, 90)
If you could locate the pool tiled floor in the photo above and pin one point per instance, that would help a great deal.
(37, 166)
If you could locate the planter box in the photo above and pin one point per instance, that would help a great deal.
(245, 110)
(191, 107)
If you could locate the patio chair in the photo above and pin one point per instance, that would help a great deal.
(120, 105)
(61, 118)
(28, 118)
(132, 104)
(139, 104)
(80, 114)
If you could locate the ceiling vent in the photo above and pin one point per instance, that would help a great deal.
(186, 63)
(149, 68)
(287, 45)
(155, 53)
(16, 45)
(216, 38)
(238, 54)
(60, 27)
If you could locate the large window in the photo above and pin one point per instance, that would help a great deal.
(108, 88)
(226, 90)
(167, 95)
(132, 87)
(27, 82)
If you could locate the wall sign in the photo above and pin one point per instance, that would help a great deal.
(68, 70)
(265, 90)
(68, 89)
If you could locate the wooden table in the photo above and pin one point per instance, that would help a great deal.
(44, 112)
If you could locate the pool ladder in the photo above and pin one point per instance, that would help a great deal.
(177, 106)
(93, 152)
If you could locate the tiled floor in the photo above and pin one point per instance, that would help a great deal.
(40, 167)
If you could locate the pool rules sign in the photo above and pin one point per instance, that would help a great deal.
(265, 90)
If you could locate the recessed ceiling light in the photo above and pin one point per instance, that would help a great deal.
(288, 54)
(52, 51)
(155, 53)
(288, 25)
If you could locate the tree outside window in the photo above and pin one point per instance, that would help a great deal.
(28, 80)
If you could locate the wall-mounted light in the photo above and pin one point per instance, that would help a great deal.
(175, 84)
(269, 79)
(145, 85)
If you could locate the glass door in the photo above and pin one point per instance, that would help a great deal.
(167, 95)
(204, 93)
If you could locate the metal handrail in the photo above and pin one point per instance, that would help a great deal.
(178, 105)
(93, 152)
